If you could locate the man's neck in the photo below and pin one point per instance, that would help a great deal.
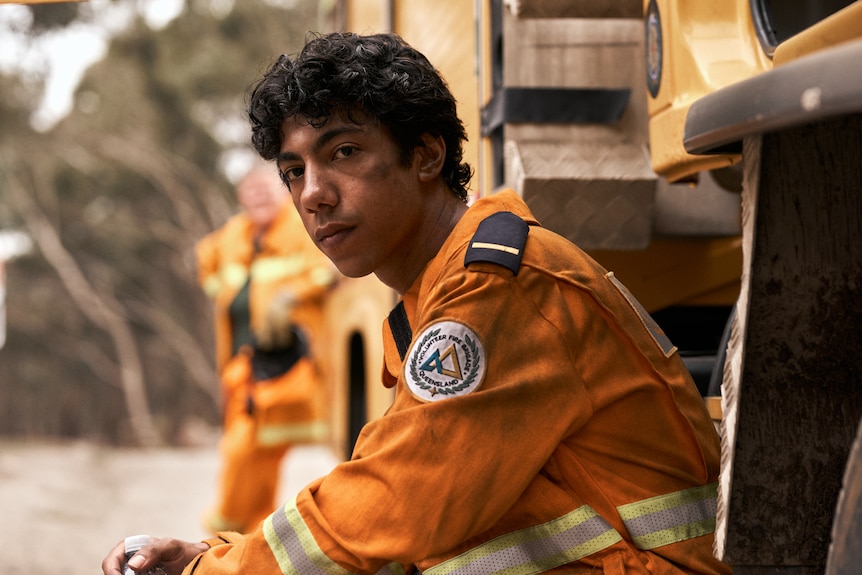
(445, 218)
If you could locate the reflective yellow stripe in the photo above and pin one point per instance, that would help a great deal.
(292, 433)
(217, 522)
(322, 276)
(211, 286)
(234, 275)
(269, 269)
(296, 551)
(266, 269)
(666, 519)
(535, 549)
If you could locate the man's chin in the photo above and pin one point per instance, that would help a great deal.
(353, 274)
(350, 271)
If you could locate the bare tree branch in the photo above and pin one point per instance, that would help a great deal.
(162, 172)
(101, 309)
(199, 366)
(165, 174)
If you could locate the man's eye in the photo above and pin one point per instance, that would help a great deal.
(344, 151)
(291, 174)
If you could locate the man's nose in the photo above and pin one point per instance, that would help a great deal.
(316, 191)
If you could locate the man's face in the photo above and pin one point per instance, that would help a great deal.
(361, 206)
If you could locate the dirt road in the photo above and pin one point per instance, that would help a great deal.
(63, 507)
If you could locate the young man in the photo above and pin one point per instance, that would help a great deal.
(541, 421)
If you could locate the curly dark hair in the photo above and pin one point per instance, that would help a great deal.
(379, 75)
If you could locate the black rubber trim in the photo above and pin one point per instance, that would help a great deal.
(554, 106)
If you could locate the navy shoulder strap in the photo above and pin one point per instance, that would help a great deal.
(399, 325)
(500, 239)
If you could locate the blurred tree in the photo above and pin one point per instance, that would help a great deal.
(109, 337)
(53, 16)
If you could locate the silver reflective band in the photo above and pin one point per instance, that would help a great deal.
(535, 549)
(296, 551)
(294, 547)
(666, 519)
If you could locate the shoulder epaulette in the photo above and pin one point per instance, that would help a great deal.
(500, 239)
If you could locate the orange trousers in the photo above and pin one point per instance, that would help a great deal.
(249, 478)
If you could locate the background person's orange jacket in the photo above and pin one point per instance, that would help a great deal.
(287, 260)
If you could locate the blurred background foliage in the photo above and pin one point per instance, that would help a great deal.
(109, 338)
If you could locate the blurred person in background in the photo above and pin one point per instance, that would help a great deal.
(268, 282)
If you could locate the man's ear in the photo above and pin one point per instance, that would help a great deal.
(430, 156)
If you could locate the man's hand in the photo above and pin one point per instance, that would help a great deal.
(277, 329)
(172, 554)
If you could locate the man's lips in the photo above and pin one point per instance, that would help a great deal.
(330, 233)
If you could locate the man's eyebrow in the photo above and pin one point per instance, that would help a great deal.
(324, 138)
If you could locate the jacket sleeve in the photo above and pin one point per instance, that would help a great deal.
(207, 260)
(233, 553)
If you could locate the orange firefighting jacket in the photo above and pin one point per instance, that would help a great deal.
(541, 422)
(287, 260)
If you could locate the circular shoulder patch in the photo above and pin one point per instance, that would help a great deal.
(446, 360)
